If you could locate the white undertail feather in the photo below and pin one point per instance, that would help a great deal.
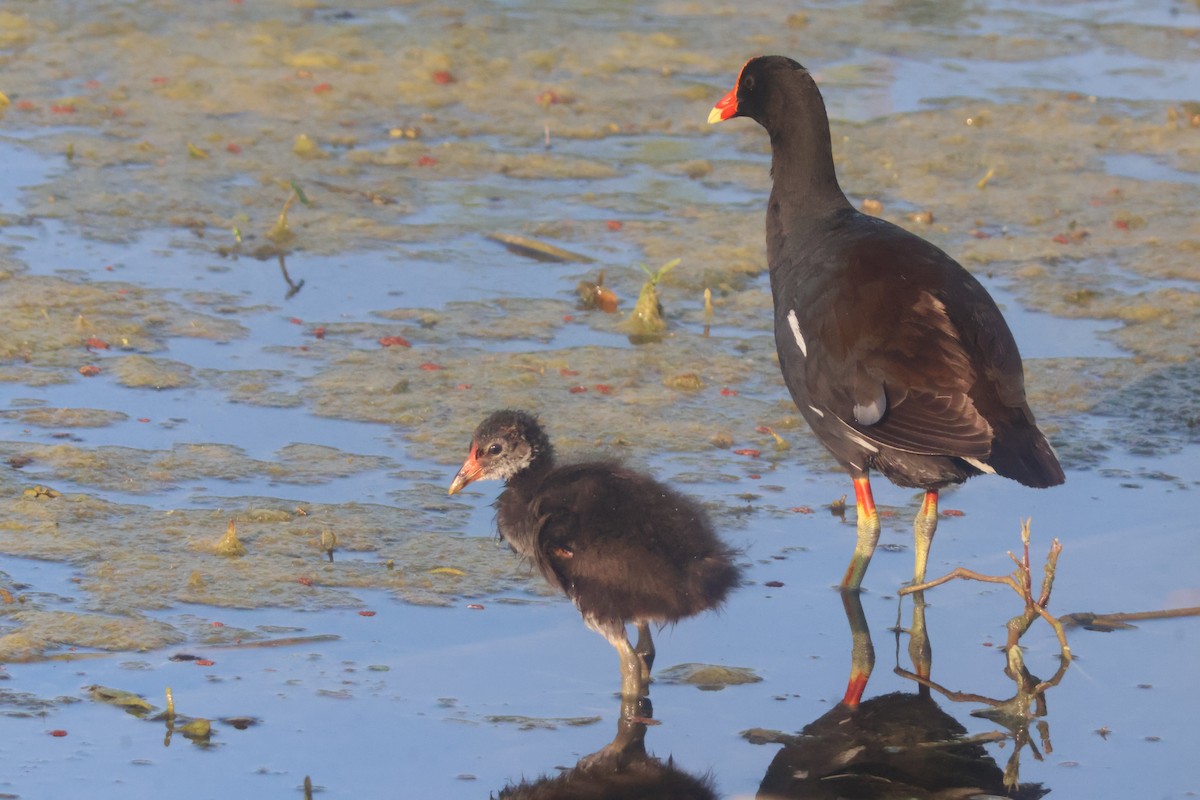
(872, 412)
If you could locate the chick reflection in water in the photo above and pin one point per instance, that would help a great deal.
(896, 746)
(621, 770)
(624, 547)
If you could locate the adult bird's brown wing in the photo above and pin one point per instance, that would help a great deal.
(885, 357)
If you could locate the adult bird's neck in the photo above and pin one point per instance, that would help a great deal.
(802, 170)
(805, 191)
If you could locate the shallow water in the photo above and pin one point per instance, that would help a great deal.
(226, 392)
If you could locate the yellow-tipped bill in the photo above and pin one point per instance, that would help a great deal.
(470, 471)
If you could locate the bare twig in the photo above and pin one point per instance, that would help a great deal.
(1021, 582)
(958, 572)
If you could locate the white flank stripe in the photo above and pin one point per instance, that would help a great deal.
(979, 465)
(860, 441)
(795, 326)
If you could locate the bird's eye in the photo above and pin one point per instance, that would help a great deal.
(494, 449)
(747, 83)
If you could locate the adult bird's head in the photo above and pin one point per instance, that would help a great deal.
(781, 95)
(758, 94)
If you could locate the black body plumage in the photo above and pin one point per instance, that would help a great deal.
(620, 544)
(897, 357)
(624, 547)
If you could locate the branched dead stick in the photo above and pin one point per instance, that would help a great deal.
(1050, 568)
(1020, 582)
(959, 572)
(1058, 631)
(1039, 606)
(1018, 625)
(1026, 572)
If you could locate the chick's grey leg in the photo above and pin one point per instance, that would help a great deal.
(632, 683)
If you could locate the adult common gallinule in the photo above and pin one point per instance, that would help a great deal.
(896, 356)
(621, 545)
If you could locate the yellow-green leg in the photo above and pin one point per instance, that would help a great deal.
(919, 649)
(629, 745)
(868, 534)
(862, 651)
(924, 526)
(633, 684)
(644, 648)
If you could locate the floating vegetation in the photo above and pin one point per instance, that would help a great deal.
(540, 723)
(707, 677)
(280, 233)
(132, 703)
(328, 542)
(594, 294)
(230, 545)
(645, 323)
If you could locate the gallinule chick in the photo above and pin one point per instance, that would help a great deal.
(621, 545)
(896, 356)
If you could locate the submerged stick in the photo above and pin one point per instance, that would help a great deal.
(1089, 619)
(708, 310)
(286, 641)
(539, 251)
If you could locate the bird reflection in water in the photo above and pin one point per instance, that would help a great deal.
(902, 744)
(621, 770)
(1014, 714)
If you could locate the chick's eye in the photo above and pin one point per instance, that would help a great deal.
(494, 449)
